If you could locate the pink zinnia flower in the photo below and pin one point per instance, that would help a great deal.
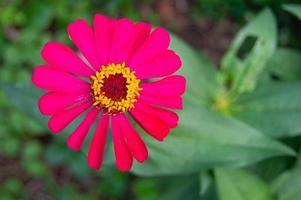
(113, 82)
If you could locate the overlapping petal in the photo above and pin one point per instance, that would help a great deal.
(123, 155)
(52, 79)
(62, 119)
(77, 138)
(82, 35)
(103, 31)
(120, 39)
(163, 64)
(97, 146)
(155, 121)
(132, 139)
(53, 102)
(62, 57)
(167, 87)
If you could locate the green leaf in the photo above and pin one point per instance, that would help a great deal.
(242, 73)
(25, 97)
(237, 184)
(202, 77)
(274, 108)
(270, 168)
(287, 185)
(294, 9)
(286, 64)
(205, 139)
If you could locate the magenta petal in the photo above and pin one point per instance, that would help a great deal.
(167, 87)
(168, 102)
(62, 57)
(51, 79)
(120, 39)
(83, 37)
(97, 146)
(165, 92)
(160, 65)
(77, 138)
(53, 102)
(153, 125)
(136, 40)
(157, 42)
(103, 31)
(123, 156)
(133, 139)
(61, 120)
(168, 117)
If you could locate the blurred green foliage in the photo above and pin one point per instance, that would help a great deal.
(31, 158)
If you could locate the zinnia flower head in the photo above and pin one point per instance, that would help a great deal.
(112, 82)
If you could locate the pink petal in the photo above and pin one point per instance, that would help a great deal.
(133, 139)
(61, 120)
(139, 35)
(153, 125)
(51, 79)
(171, 86)
(97, 146)
(77, 138)
(62, 57)
(157, 42)
(123, 156)
(83, 37)
(120, 38)
(168, 102)
(103, 31)
(159, 65)
(52, 102)
(168, 117)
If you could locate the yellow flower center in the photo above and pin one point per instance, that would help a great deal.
(115, 88)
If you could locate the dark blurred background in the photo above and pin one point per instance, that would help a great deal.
(36, 165)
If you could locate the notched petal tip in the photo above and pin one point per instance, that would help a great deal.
(52, 126)
(71, 146)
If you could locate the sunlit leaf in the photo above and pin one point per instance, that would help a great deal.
(249, 52)
(274, 108)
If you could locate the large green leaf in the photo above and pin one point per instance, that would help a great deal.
(286, 64)
(25, 96)
(274, 108)
(205, 139)
(295, 9)
(288, 185)
(237, 184)
(270, 168)
(242, 73)
(202, 77)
